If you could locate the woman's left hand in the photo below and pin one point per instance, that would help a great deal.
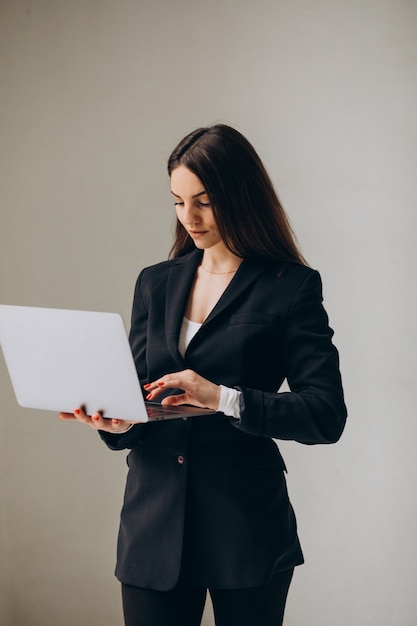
(198, 391)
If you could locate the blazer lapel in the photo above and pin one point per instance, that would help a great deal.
(247, 273)
(179, 283)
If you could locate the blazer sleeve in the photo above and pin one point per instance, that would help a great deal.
(313, 411)
(137, 339)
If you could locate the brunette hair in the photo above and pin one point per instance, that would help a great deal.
(248, 213)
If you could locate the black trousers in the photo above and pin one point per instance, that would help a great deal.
(184, 605)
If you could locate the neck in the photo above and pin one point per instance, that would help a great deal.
(224, 262)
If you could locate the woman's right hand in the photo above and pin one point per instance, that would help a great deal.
(97, 421)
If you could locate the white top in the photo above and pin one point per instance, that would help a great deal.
(187, 332)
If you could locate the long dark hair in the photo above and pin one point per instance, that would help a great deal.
(248, 213)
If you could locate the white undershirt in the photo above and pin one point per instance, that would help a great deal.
(187, 332)
(229, 398)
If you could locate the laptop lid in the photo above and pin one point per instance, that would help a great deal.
(59, 359)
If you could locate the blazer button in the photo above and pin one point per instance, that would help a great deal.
(180, 459)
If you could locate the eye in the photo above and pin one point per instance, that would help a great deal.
(204, 204)
(178, 203)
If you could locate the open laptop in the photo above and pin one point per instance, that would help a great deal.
(61, 359)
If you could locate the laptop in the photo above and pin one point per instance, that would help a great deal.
(60, 359)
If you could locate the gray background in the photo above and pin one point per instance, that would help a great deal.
(94, 95)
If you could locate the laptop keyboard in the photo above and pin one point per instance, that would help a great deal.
(156, 411)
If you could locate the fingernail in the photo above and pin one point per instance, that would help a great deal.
(148, 397)
(77, 411)
(161, 384)
(147, 386)
(96, 417)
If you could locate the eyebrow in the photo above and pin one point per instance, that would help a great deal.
(196, 195)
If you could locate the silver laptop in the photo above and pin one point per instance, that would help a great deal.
(61, 359)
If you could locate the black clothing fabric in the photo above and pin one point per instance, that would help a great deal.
(184, 605)
(207, 496)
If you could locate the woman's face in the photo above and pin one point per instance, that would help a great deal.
(193, 208)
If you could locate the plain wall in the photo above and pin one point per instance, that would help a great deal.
(94, 95)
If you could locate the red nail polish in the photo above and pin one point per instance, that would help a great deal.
(77, 411)
(148, 397)
(147, 386)
(161, 384)
(96, 417)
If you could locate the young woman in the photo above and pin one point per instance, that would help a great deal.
(222, 324)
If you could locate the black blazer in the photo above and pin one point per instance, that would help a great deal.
(208, 494)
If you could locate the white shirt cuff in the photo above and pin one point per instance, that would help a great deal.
(229, 402)
(122, 432)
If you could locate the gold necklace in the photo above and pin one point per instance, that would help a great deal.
(209, 272)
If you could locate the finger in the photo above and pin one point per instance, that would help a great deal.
(99, 422)
(165, 382)
(155, 389)
(177, 399)
(82, 416)
(154, 394)
(66, 416)
(112, 425)
(154, 385)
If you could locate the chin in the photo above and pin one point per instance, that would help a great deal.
(202, 245)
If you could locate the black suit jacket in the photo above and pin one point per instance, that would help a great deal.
(208, 494)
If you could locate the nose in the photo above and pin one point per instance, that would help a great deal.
(189, 214)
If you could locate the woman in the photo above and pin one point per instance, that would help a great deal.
(233, 313)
